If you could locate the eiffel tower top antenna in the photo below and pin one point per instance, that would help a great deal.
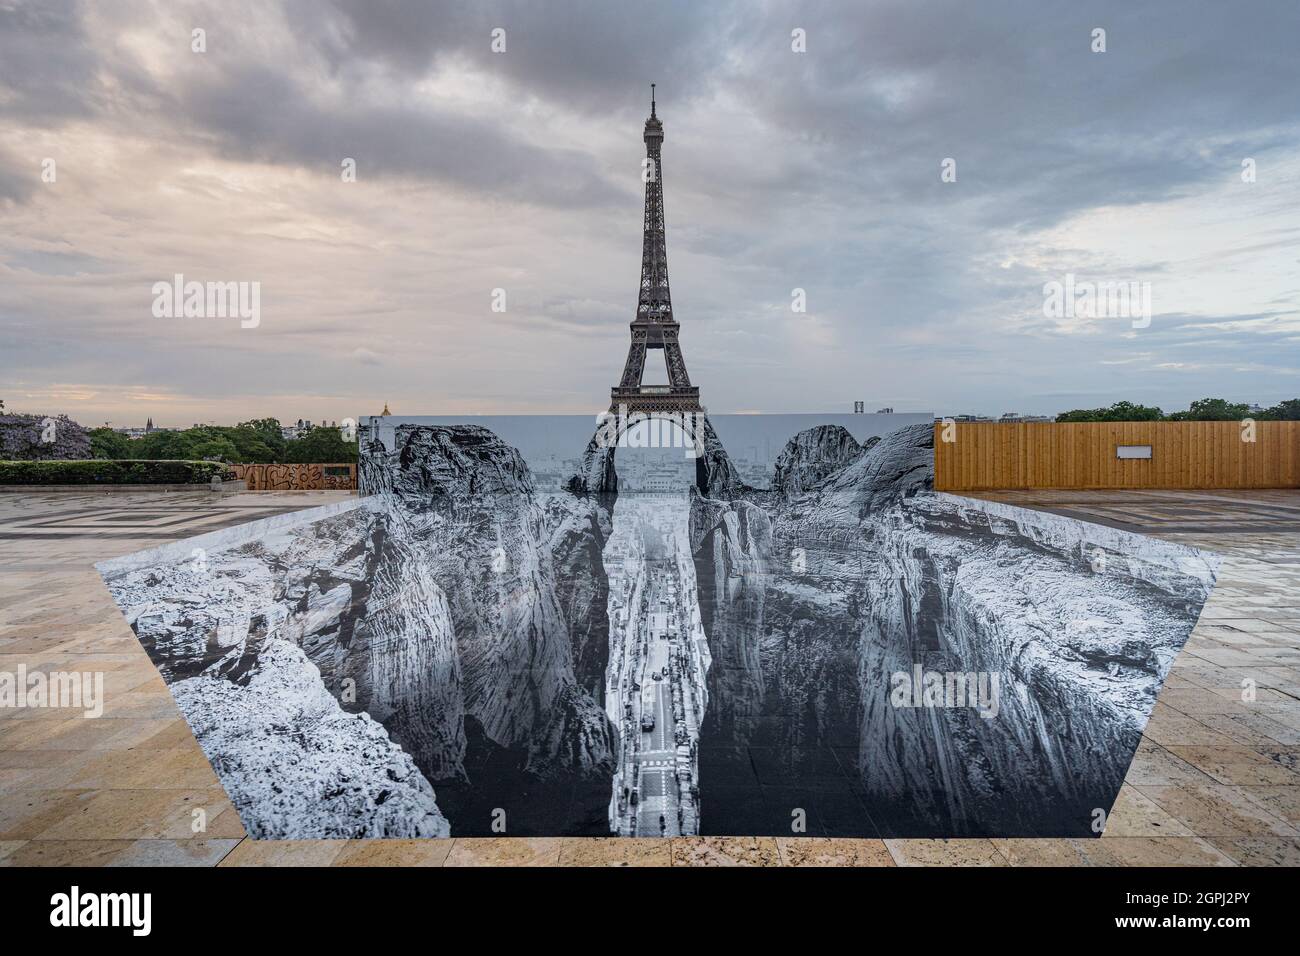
(652, 99)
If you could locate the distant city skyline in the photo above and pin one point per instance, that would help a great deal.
(431, 216)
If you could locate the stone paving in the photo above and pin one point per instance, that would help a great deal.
(1216, 779)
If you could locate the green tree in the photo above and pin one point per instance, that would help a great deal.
(1119, 412)
(250, 446)
(106, 443)
(158, 446)
(215, 447)
(1287, 411)
(322, 446)
(1212, 410)
(268, 432)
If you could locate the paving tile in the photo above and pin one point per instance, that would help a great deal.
(1136, 815)
(201, 814)
(1072, 852)
(17, 778)
(1282, 802)
(73, 733)
(1169, 726)
(393, 853)
(1160, 766)
(822, 851)
(977, 852)
(1165, 851)
(43, 759)
(130, 770)
(1217, 810)
(133, 814)
(150, 734)
(725, 851)
(25, 814)
(616, 851)
(174, 853)
(1260, 851)
(1246, 766)
(1254, 728)
(124, 770)
(67, 853)
(284, 853)
(1290, 716)
(141, 704)
(1200, 700)
(504, 851)
(222, 821)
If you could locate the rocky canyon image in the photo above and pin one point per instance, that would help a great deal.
(570, 637)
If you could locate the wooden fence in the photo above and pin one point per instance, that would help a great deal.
(296, 477)
(986, 456)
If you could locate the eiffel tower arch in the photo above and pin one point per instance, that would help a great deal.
(655, 328)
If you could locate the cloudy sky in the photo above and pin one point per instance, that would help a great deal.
(520, 170)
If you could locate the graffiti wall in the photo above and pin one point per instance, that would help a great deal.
(297, 477)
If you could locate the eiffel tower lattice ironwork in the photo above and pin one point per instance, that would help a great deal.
(654, 326)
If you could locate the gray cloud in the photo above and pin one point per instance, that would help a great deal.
(44, 66)
(818, 171)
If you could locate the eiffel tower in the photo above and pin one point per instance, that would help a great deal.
(654, 326)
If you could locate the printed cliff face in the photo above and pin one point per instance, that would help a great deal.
(453, 623)
(935, 665)
(557, 643)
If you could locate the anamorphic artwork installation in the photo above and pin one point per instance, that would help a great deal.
(663, 622)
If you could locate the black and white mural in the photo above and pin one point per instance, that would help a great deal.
(506, 634)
